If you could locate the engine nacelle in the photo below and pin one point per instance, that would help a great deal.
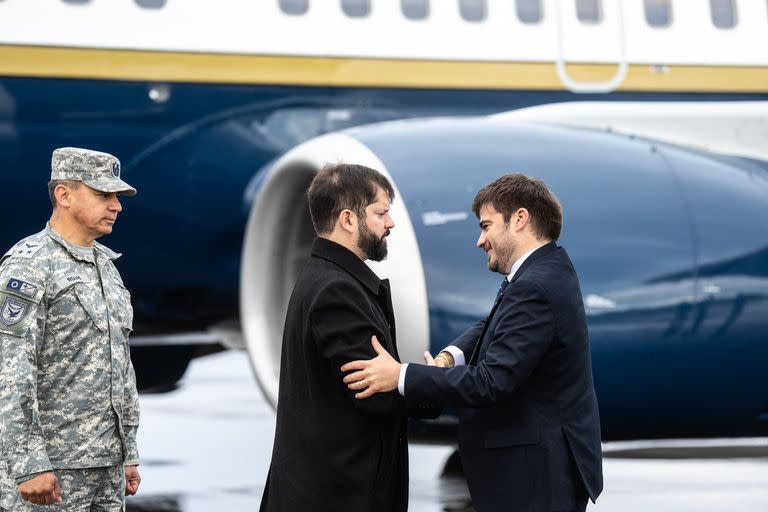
(278, 237)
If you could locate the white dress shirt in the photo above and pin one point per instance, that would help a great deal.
(459, 359)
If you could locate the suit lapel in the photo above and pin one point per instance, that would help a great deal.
(539, 253)
(476, 350)
(385, 298)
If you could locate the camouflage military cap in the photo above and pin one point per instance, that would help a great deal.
(100, 171)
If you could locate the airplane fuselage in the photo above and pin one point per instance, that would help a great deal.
(199, 101)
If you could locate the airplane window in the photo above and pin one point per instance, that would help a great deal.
(415, 9)
(723, 13)
(294, 7)
(472, 10)
(151, 4)
(529, 11)
(589, 11)
(356, 8)
(658, 13)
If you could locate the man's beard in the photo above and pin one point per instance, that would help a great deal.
(504, 250)
(373, 246)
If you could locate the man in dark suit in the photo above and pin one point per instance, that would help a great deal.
(331, 451)
(529, 431)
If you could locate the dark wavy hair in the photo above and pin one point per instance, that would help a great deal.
(341, 186)
(513, 191)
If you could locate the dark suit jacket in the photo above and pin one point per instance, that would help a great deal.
(332, 451)
(530, 436)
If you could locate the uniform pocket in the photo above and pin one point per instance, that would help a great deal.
(76, 308)
(123, 310)
(89, 301)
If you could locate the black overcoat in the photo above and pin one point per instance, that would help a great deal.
(332, 451)
(529, 433)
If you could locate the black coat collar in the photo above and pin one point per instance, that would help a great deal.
(347, 260)
(539, 253)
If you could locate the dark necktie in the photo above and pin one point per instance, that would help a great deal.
(503, 287)
(476, 350)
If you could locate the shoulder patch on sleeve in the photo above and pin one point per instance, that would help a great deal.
(12, 311)
(22, 289)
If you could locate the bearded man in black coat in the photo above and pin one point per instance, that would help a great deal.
(331, 451)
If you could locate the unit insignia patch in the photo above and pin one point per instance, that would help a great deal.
(13, 311)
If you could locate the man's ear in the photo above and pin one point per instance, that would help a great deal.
(520, 219)
(348, 221)
(63, 195)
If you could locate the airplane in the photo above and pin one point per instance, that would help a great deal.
(222, 114)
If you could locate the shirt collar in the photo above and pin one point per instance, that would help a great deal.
(520, 261)
(79, 252)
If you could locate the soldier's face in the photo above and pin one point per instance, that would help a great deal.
(94, 211)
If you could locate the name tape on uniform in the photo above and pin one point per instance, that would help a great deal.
(69, 280)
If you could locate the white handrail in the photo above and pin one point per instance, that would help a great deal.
(591, 87)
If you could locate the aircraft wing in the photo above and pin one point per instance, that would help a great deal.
(736, 128)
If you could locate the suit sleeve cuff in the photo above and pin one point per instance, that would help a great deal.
(457, 353)
(401, 379)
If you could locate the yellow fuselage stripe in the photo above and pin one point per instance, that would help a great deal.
(155, 66)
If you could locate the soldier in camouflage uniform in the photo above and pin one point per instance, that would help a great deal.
(69, 409)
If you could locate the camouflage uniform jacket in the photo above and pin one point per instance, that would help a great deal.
(68, 390)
